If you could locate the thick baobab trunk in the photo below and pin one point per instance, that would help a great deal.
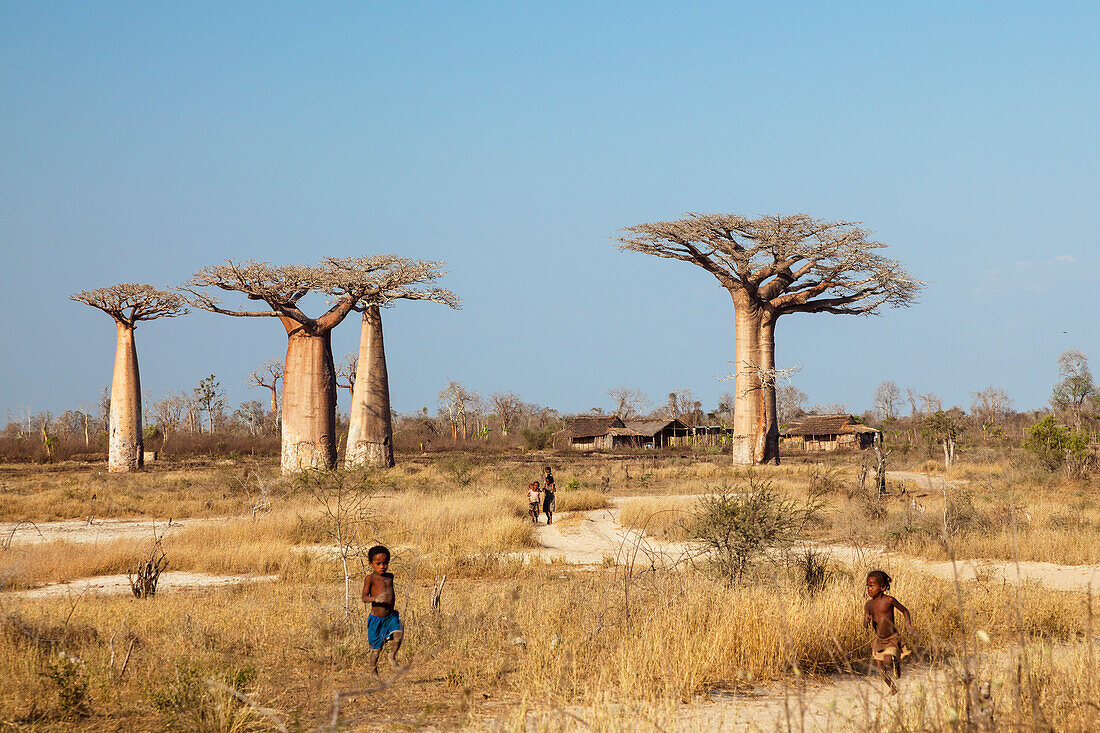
(274, 400)
(769, 452)
(309, 402)
(370, 432)
(748, 413)
(125, 451)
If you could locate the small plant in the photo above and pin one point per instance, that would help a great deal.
(571, 485)
(460, 469)
(68, 674)
(145, 574)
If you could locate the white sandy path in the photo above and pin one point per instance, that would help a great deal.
(118, 585)
(95, 531)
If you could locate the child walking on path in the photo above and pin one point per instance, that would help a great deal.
(548, 496)
(533, 501)
(878, 613)
(383, 623)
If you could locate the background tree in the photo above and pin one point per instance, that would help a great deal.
(309, 379)
(628, 402)
(210, 399)
(944, 427)
(773, 266)
(990, 406)
(268, 376)
(167, 413)
(346, 372)
(454, 405)
(508, 407)
(887, 400)
(681, 405)
(370, 424)
(1075, 389)
(128, 304)
(790, 402)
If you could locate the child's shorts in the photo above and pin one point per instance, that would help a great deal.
(888, 647)
(381, 628)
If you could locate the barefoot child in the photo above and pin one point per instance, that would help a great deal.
(878, 613)
(533, 501)
(383, 623)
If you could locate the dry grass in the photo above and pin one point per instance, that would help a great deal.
(580, 500)
(602, 641)
(660, 518)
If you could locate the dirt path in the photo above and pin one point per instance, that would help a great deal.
(596, 538)
(118, 585)
(93, 531)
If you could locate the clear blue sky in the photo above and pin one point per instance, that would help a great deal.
(140, 141)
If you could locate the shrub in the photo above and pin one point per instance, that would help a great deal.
(536, 439)
(1055, 444)
(739, 527)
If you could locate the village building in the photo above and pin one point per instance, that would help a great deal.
(827, 433)
(597, 432)
(660, 432)
(608, 432)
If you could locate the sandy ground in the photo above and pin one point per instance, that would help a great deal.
(118, 585)
(92, 530)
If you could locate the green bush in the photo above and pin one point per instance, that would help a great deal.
(536, 439)
(1053, 444)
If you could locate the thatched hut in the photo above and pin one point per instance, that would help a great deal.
(597, 432)
(827, 433)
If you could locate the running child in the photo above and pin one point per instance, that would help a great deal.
(878, 613)
(383, 623)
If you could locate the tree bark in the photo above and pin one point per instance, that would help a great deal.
(748, 435)
(309, 401)
(125, 449)
(370, 432)
(769, 452)
(274, 399)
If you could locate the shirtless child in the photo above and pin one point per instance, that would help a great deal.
(533, 501)
(878, 613)
(383, 623)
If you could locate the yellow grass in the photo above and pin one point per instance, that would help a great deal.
(601, 640)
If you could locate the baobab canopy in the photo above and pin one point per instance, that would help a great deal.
(772, 266)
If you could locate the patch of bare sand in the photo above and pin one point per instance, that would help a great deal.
(596, 538)
(94, 531)
(119, 585)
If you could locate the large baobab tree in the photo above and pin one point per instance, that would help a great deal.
(370, 425)
(772, 266)
(309, 382)
(127, 304)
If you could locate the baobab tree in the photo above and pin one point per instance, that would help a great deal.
(127, 304)
(370, 425)
(268, 376)
(772, 266)
(309, 381)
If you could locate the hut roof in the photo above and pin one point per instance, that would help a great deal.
(649, 428)
(590, 426)
(827, 425)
